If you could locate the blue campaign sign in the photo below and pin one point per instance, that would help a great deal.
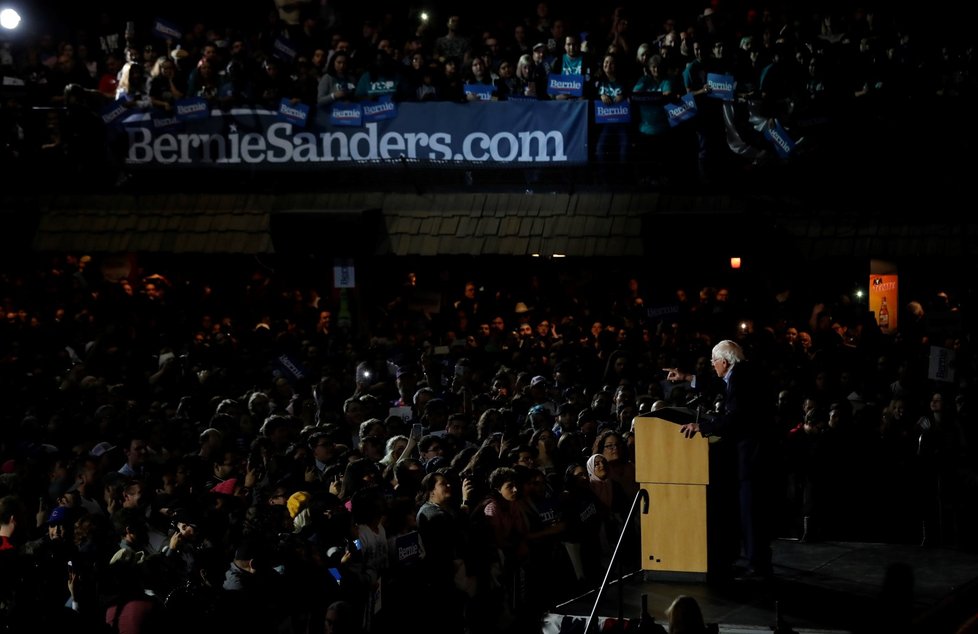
(683, 111)
(163, 120)
(297, 114)
(149, 119)
(662, 311)
(289, 368)
(133, 118)
(346, 114)
(572, 85)
(192, 109)
(514, 134)
(166, 30)
(380, 110)
(407, 549)
(283, 48)
(482, 91)
(721, 86)
(112, 114)
(620, 112)
(783, 144)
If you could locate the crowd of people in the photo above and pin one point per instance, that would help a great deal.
(270, 453)
(818, 77)
(253, 447)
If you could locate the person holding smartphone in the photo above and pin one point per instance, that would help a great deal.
(441, 528)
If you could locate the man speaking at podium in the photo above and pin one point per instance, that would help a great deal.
(743, 419)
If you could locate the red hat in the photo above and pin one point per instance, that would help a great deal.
(226, 487)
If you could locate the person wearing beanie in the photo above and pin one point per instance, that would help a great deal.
(297, 502)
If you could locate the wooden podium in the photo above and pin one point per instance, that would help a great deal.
(675, 471)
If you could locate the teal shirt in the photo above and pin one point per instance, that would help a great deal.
(611, 89)
(382, 85)
(649, 95)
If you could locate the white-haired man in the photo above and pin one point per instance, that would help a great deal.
(743, 422)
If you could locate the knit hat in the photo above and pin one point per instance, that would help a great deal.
(297, 502)
(226, 487)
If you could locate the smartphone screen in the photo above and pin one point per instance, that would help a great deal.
(358, 544)
(336, 574)
(416, 430)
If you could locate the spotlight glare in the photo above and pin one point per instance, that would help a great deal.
(9, 19)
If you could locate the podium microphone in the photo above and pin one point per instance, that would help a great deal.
(695, 402)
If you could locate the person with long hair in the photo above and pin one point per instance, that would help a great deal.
(359, 474)
(393, 450)
(613, 447)
(612, 146)
(547, 458)
(337, 83)
(442, 531)
(685, 616)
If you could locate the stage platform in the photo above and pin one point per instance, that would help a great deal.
(816, 587)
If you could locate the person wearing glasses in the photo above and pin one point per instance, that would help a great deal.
(324, 454)
(620, 470)
(742, 422)
(611, 444)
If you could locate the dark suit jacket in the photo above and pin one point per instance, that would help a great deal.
(744, 418)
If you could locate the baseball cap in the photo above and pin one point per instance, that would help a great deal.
(538, 409)
(539, 45)
(538, 380)
(59, 515)
(101, 449)
(435, 464)
(405, 369)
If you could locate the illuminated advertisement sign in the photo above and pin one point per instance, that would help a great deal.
(883, 301)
